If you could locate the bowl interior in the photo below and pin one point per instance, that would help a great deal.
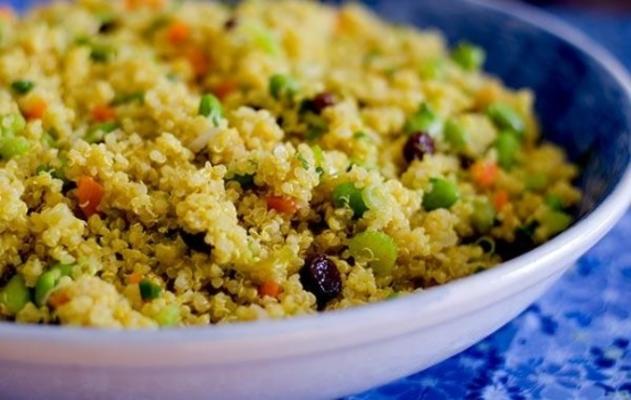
(580, 105)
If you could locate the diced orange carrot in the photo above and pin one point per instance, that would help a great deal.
(484, 173)
(103, 113)
(58, 298)
(197, 58)
(178, 32)
(35, 108)
(269, 288)
(223, 89)
(134, 277)
(89, 193)
(500, 199)
(285, 205)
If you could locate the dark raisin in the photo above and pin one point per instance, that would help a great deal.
(465, 162)
(230, 23)
(318, 226)
(417, 145)
(319, 102)
(195, 241)
(108, 26)
(321, 277)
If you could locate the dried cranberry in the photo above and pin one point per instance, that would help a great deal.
(417, 145)
(321, 277)
(319, 102)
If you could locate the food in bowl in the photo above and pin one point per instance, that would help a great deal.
(188, 163)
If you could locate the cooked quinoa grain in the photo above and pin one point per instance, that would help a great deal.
(187, 163)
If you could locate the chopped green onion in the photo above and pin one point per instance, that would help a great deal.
(64, 269)
(455, 135)
(14, 295)
(423, 120)
(303, 161)
(554, 202)
(49, 140)
(348, 195)
(149, 290)
(361, 135)
(48, 280)
(43, 169)
(378, 248)
(10, 144)
(82, 40)
(374, 198)
(432, 69)
(11, 124)
(536, 181)
(487, 244)
(22, 86)
(128, 98)
(210, 107)
(556, 221)
(46, 169)
(264, 39)
(318, 155)
(282, 87)
(100, 53)
(505, 117)
(45, 284)
(168, 316)
(98, 132)
(443, 194)
(507, 146)
(13, 147)
(468, 56)
(483, 216)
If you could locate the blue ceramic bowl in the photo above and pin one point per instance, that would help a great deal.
(584, 102)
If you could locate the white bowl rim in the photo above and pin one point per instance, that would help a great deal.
(577, 238)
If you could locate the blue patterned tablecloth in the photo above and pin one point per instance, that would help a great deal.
(574, 343)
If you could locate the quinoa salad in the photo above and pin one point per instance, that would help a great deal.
(172, 163)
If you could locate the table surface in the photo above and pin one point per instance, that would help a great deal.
(574, 343)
